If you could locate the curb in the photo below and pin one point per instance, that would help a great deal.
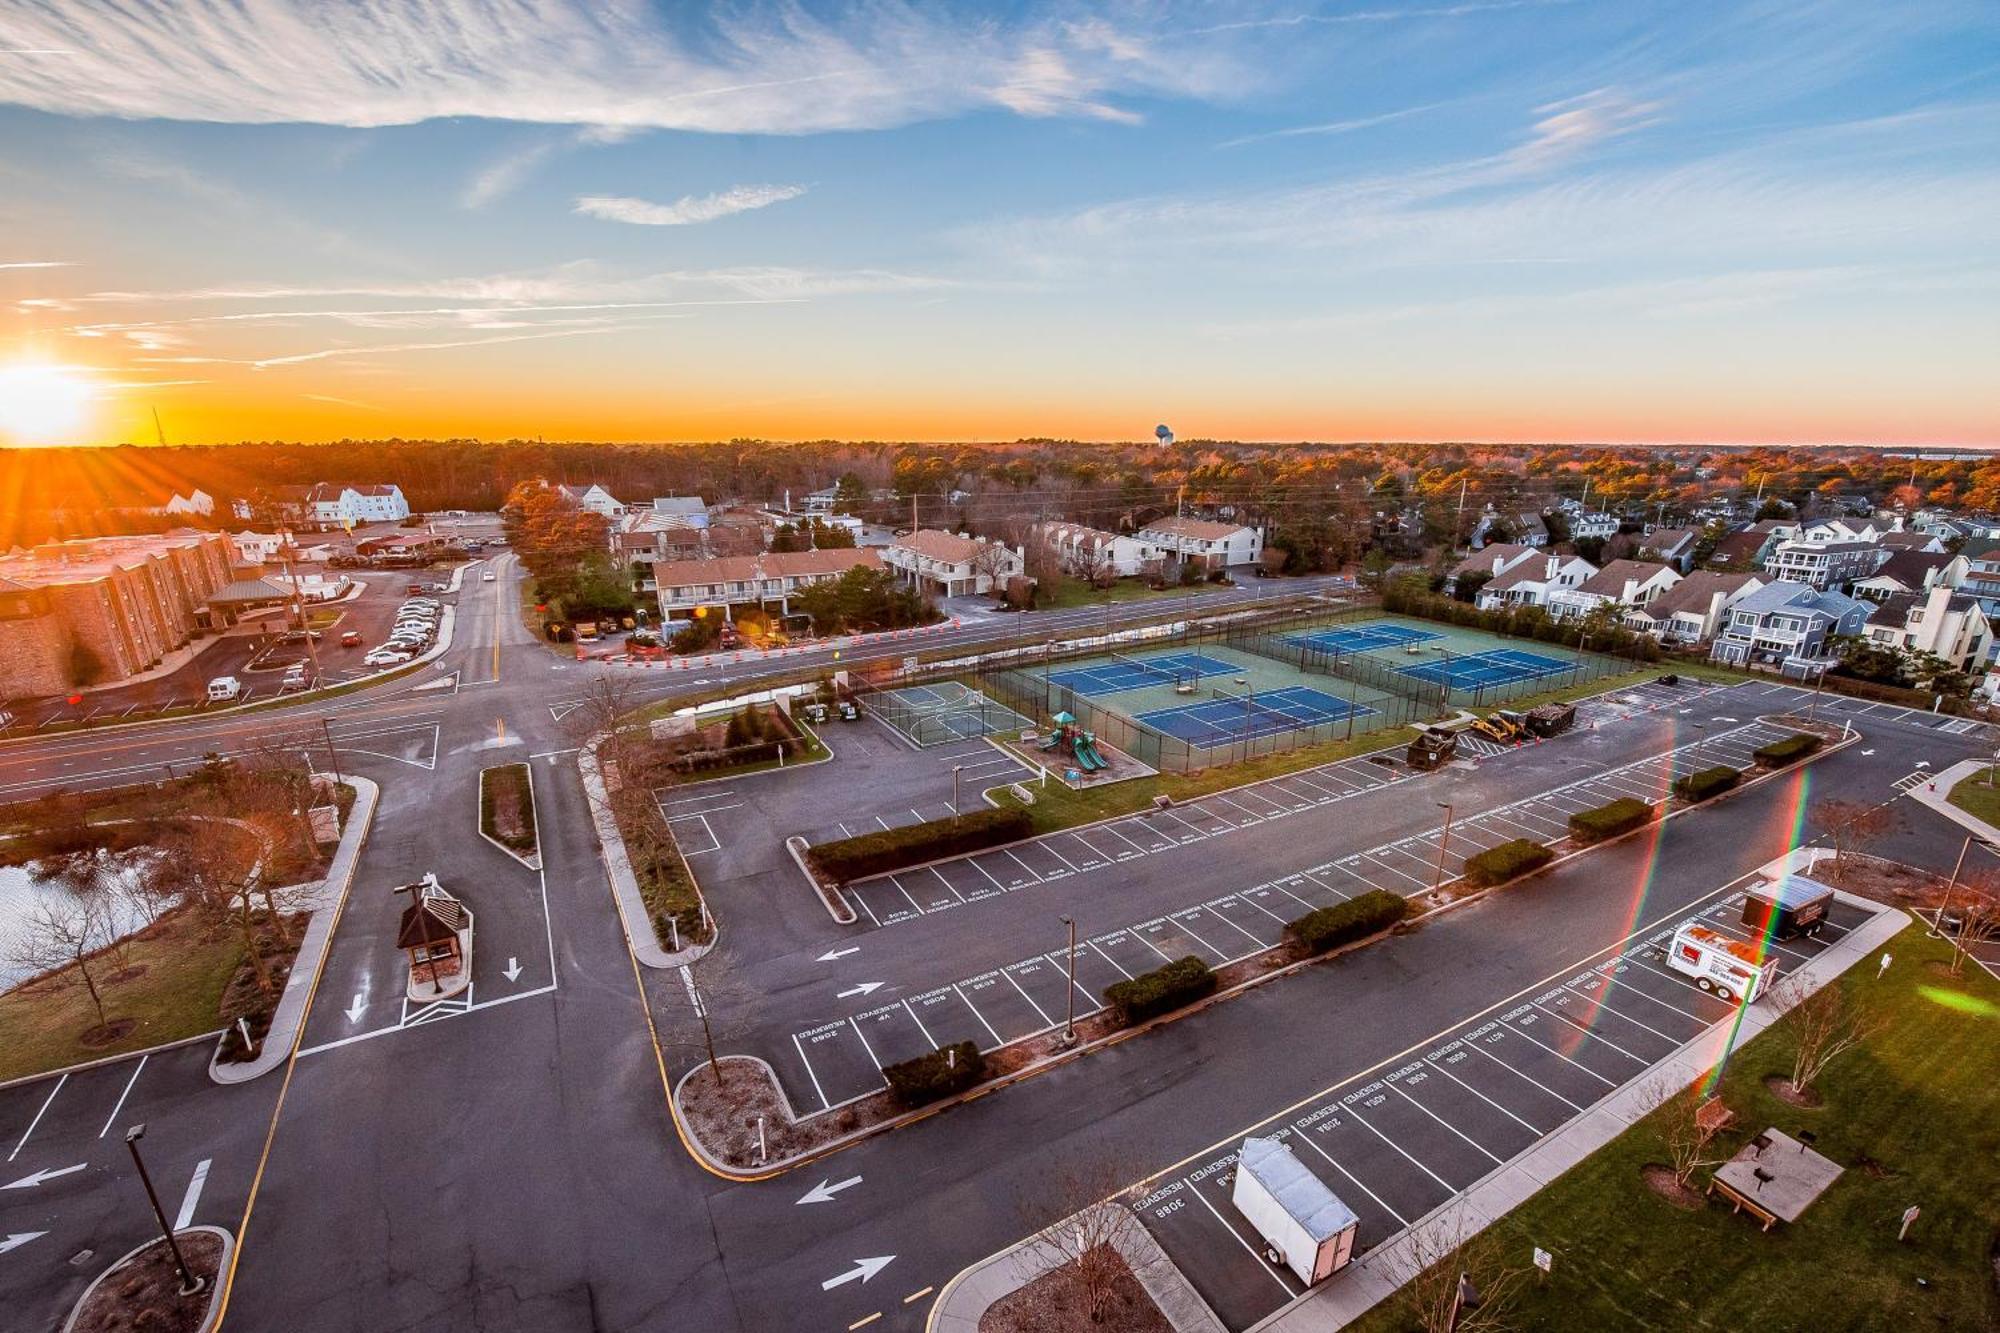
(533, 862)
(215, 1285)
(796, 845)
(645, 946)
(288, 1023)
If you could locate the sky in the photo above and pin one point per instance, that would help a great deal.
(1591, 220)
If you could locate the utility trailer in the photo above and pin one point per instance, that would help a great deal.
(1720, 963)
(1793, 905)
(1302, 1223)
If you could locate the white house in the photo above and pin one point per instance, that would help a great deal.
(1913, 572)
(1671, 546)
(732, 581)
(1942, 622)
(1094, 553)
(1493, 561)
(257, 548)
(595, 499)
(1532, 582)
(196, 501)
(1628, 583)
(1200, 542)
(1583, 526)
(948, 565)
(692, 509)
(332, 502)
(1693, 610)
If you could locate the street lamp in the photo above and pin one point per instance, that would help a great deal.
(1437, 879)
(956, 769)
(1945, 904)
(190, 1284)
(1069, 1018)
(1819, 686)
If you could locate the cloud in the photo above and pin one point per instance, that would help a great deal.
(688, 209)
(39, 263)
(1333, 126)
(613, 65)
(505, 174)
(373, 349)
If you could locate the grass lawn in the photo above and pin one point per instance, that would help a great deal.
(178, 995)
(1069, 593)
(1057, 807)
(1920, 1101)
(1977, 797)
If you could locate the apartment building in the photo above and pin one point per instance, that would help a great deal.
(334, 502)
(97, 610)
(1204, 543)
(946, 564)
(1627, 583)
(1532, 582)
(768, 581)
(1788, 628)
(1942, 622)
(1693, 610)
(1093, 552)
(1823, 563)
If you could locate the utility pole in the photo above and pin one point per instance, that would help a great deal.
(1437, 878)
(1459, 528)
(333, 755)
(299, 604)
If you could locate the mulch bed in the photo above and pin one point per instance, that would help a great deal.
(1660, 1180)
(144, 1293)
(1781, 1087)
(1883, 881)
(1050, 1304)
(724, 1118)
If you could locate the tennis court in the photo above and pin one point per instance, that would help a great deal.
(1364, 637)
(1501, 666)
(944, 712)
(1120, 673)
(1228, 719)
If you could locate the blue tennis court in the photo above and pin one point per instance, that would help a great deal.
(1363, 638)
(1229, 719)
(1501, 666)
(1116, 675)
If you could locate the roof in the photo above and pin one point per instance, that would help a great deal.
(679, 504)
(1911, 568)
(1667, 540)
(1199, 529)
(1303, 1195)
(1694, 592)
(1728, 944)
(249, 590)
(1528, 571)
(1481, 561)
(1786, 595)
(1080, 533)
(1909, 541)
(433, 918)
(769, 565)
(1611, 580)
(1790, 891)
(1739, 547)
(947, 547)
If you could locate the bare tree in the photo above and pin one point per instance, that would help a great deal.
(1095, 562)
(1978, 918)
(1079, 1236)
(1852, 826)
(993, 559)
(93, 879)
(1824, 1025)
(217, 878)
(1455, 1279)
(1691, 1123)
(716, 1003)
(59, 940)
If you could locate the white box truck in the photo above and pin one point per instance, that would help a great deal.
(1302, 1223)
(1721, 963)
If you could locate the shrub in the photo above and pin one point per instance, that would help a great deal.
(1779, 753)
(1166, 988)
(1608, 821)
(1320, 930)
(874, 853)
(1497, 865)
(506, 810)
(927, 1078)
(1706, 782)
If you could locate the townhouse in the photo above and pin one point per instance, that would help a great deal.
(1532, 582)
(1089, 552)
(334, 502)
(1789, 628)
(946, 564)
(1203, 543)
(767, 581)
(1625, 583)
(1943, 622)
(1693, 610)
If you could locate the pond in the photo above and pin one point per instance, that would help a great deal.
(22, 889)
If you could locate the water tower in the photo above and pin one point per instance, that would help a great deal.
(1164, 435)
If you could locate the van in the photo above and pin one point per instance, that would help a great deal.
(224, 688)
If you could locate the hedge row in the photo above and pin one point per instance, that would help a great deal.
(1704, 783)
(1608, 821)
(875, 853)
(1320, 930)
(1178, 983)
(1795, 746)
(946, 1070)
(1497, 865)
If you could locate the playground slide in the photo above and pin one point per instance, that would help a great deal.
(1087, 757)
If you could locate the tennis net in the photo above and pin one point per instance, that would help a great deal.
(1254, 708)
(1164, 674)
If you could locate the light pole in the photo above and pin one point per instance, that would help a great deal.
(1952, 883)
(190, 1284)
(956, 769)
(1437, 878)
(1819, 685)
(1069, 1017)
(333, 756)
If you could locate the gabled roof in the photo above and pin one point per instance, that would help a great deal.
(947, 547)
(1910, 540)
(769, 565)
(433, 918)
(1786, 595)
(1481, 561)
(1738, 547)
(1611, 580)
(1667, 540)
(1911, 568)
(1528, 571)
(1696, 591)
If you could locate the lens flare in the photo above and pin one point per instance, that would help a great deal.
(42, 403)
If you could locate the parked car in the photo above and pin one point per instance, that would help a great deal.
(224, 688)
(487, 577)
(415, 588)
(295, 676)
(388, 655)
(299, 636)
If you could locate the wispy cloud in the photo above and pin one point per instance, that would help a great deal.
(1333, 126)
(615, 65)
(39, 263)
(377, 349)
(687, 210)
(505, 174)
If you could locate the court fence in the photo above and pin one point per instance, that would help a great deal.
(1363, 669)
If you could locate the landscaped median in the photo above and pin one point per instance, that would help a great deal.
(507, 811)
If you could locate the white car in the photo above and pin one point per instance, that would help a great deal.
(487, 577)
(388, 655)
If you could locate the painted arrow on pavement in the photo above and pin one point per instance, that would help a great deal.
(513, 972)
(865, 988)
(823, 1192)
(832, 955)
(863, 1269)
(16, 1239)
(46, 1173)
(354, 1010)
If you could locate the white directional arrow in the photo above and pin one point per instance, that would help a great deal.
(1866, 753)
(29, 1182)
(513, 972)
(1725, 719)
(16, 1239)
(865, 988)
(863, 1269)
(832, 954)
(354, 1010)
(823, 1192)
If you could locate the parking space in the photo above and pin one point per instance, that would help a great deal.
(885, 901)
(49, 1123)
(1396, 1141)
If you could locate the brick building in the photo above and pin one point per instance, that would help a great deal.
(100, 609)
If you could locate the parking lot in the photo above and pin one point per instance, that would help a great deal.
(1397, 1141)
(841, 1060)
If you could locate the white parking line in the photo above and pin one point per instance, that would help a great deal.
(192, 1198)
(981, 1017)
(108, 1120)
(1024, 995)
(1603, 1001)
(1589, 1031)
(1362, 1121)
(1283, 1285)
(825, 1105)
(1391, 1083)
(1483, 1097)
(953, 887)
(864, 1044)
(1480, 1049)
(1515, 1030)
(38, 1117)
(1109, 959)
(920, 1024)
(1307, 1139)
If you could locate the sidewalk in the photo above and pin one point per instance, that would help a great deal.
(632, 914)
(1936, 793)
(1377, 1275)
(324, 900)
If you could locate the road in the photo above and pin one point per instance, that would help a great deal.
(509, 1163)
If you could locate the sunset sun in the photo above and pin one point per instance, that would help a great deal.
(40, 403)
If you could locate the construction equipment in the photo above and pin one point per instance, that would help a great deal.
(1505, 726)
